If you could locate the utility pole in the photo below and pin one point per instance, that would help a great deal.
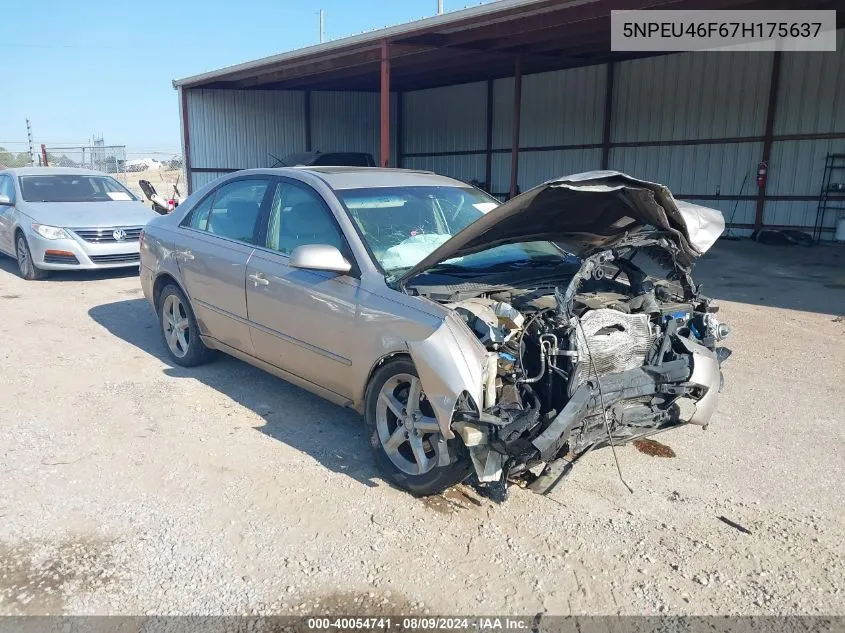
(29, 139)
(322, 24)
(439, 7)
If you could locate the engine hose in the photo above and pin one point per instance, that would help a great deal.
(533, 379)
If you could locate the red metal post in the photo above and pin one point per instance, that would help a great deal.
(517, 102)
(768, 135)
(385, 104)
(44, 155)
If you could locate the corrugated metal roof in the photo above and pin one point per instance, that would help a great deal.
(445, 23)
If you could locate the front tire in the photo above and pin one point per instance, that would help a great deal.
(405, 436)
(179, 329)
(27, 268)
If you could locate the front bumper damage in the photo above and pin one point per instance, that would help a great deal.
(679, 383)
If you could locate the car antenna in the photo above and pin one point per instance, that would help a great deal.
(604, 410)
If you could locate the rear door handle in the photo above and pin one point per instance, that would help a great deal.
(259, 279)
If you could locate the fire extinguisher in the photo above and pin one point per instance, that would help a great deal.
(762, 171)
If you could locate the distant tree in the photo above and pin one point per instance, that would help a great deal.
(9, 159)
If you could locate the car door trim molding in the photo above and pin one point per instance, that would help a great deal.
(284, 374)
(285, 337)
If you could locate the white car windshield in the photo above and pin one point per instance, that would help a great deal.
(402, 225)
(73, 188)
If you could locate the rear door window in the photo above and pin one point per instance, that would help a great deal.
(232, 211)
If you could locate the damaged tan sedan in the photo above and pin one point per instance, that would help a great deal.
(501, 340)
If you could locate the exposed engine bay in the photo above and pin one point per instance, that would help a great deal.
(600, 357)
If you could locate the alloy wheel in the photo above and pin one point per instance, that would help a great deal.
(407, 428)
(24, 260)
(177, 326)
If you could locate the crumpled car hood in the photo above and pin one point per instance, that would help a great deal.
(586, 213)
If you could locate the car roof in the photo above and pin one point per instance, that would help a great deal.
(52, 171)
(368, 177)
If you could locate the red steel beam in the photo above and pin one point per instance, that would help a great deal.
(385, 104)
(768, 135)
(517, 103)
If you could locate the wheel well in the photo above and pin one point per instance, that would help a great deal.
(381, 361)
(161, 281)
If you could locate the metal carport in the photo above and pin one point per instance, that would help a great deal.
(514, 92)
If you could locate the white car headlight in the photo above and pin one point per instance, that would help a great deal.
(50, 232)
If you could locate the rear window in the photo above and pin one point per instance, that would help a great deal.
(73, 188)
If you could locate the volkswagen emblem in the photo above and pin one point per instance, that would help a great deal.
(119, 235)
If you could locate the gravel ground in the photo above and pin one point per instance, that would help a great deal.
(130, 486)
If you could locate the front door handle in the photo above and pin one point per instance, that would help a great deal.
(259, 279)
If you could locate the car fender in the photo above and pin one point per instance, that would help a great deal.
(450, 363)
(158, 256)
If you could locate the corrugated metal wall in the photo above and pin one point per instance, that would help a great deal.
(448, 121)
(691, 96)
(811, 101)
(562, 108)
(349, 122)
(694, 97)
(694, 121)
(240, 129)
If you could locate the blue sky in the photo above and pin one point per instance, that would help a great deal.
(94, 67)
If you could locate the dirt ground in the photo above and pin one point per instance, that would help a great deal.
(130, 486)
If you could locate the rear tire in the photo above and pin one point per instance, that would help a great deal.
(26, 267)
(404, 436)
(179, 330)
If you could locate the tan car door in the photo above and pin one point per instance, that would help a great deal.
(302, 321)
(218, 238)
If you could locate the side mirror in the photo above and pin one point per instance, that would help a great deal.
(319, 257)
(5, 201)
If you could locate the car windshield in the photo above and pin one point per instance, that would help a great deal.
(73, 188)
(403, 225)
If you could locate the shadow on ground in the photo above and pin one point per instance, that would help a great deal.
(798, 278)
(332, 435)
(792, 277)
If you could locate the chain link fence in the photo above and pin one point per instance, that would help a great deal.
(110, 159)
(163, 172)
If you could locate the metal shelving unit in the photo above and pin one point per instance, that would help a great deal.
(833, 163)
